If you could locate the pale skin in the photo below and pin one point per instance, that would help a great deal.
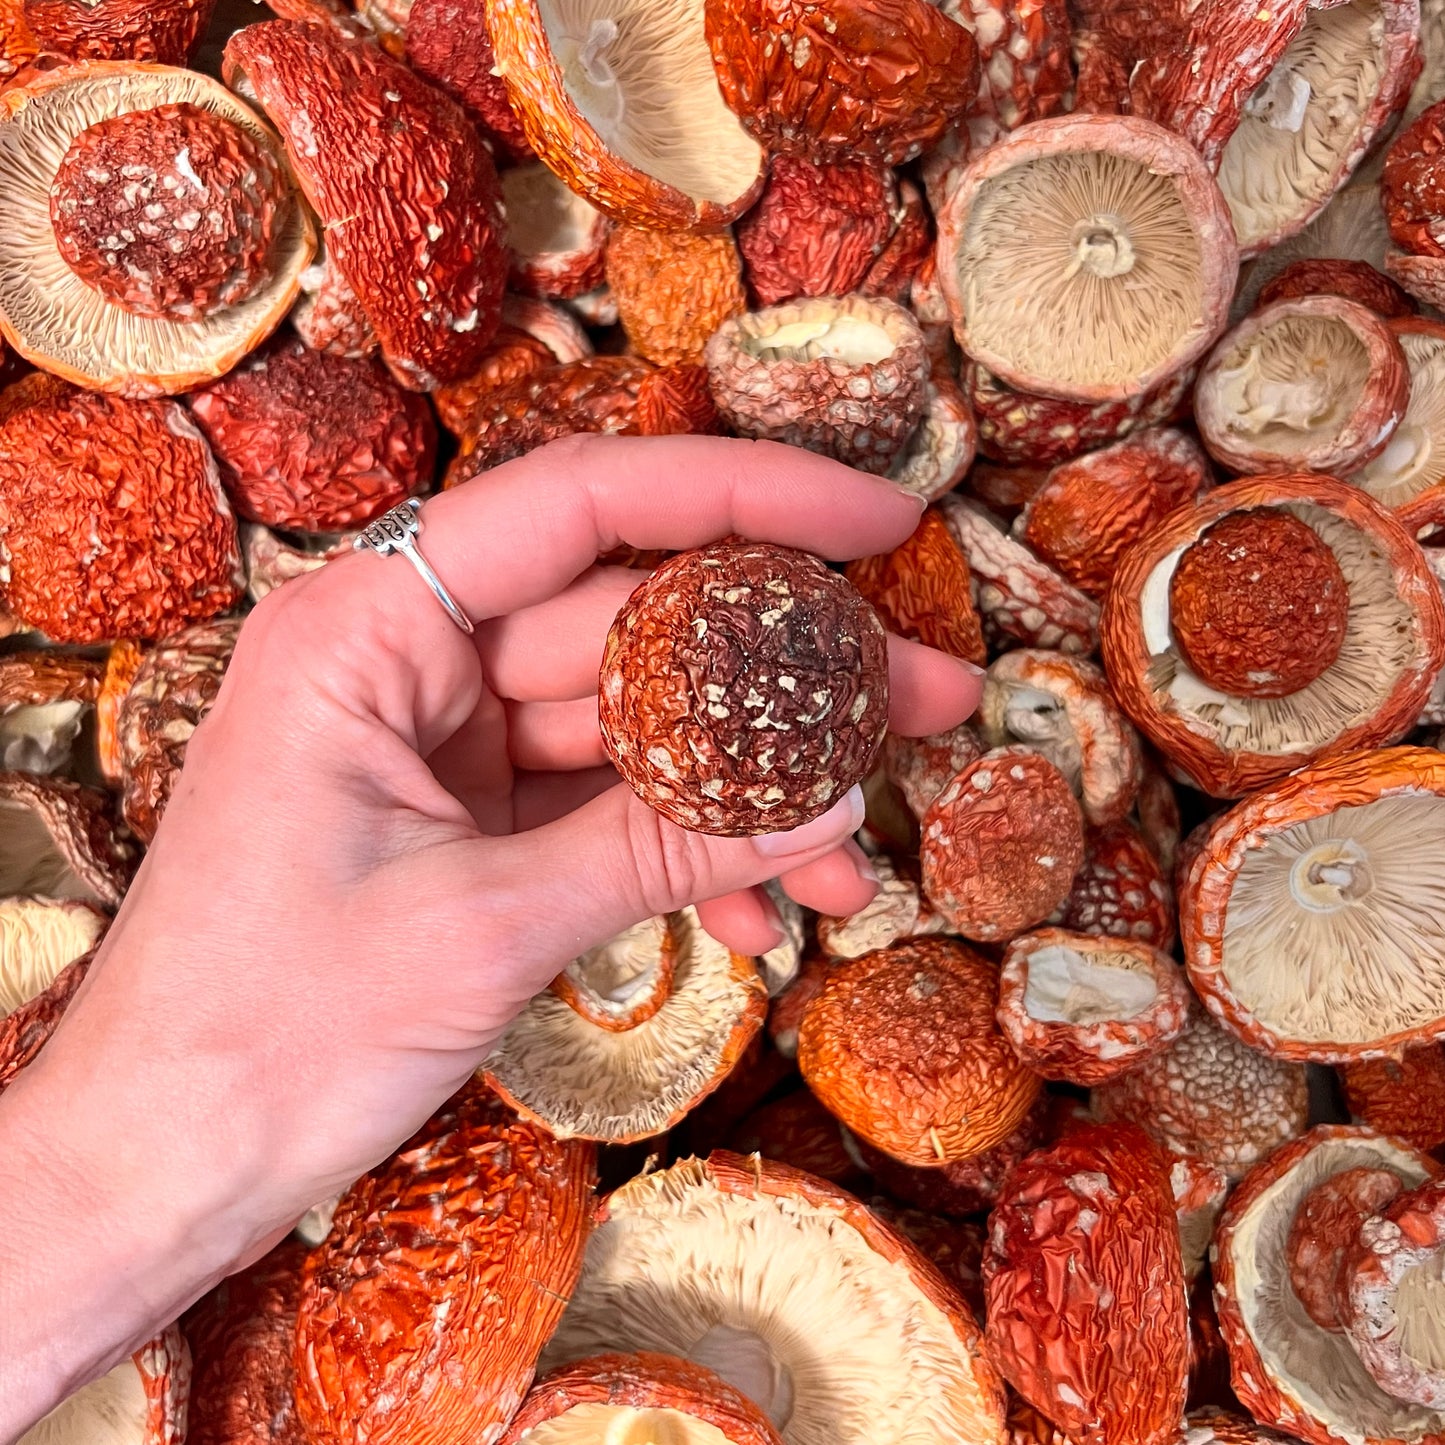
(388, 837)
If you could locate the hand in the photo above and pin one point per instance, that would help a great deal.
(388, 836)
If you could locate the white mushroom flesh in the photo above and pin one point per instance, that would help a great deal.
(54, 312)
(1414, 458)
(781, 1297)
(845, 337)
(110, 1411)
(597, 1424)
(586, 1081)
(1302, 122)
(1420, 1311)
(38, 937)
(1083, 267)
(1335, 928)
(544, 216)
(1316, 1366)
(1068, 987)
(29, 860)
(641, 75)
(1378, 644)
(1292, 385)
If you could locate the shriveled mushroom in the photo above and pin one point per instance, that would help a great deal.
(1309, 925)
(632, 1035)
(902, 1046)
(1387, 646)
(38, 938)
(197, 288)
(1289, 1371)
(557, 238)
(845, 376)
(1087, 257)
(1061, 707)
(61, 841)
(743, 1266)
(1314, 384)
(1085, 1009)
(1413, 460)
(45, 696)
(629, 114)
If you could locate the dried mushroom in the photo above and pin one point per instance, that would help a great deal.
(446, 1269)
(60, 840)
(744, 689)
(38, 938)
(633, 1034)
(408, 198)
(1287, 1370)
(45, 697)
(775, 1263)
(177, 305)
(1061, 707)
(624, 106)
(845, 376)
(902, 1046)
(1308, 922)
(557, 239)
(1209, 1096)
(1084, 1008)
(1315, 384)
(1413, 460)
(1087, 257)
(1389, 649)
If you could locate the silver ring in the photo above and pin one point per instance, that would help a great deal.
(396, 532)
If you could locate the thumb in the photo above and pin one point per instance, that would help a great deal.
(584, 878)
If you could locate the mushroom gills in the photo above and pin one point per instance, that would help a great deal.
(112, 1410)
(641, 75)
(1067, 987)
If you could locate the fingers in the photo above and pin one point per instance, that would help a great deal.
(928, 691)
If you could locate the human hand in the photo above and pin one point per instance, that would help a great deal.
(387, 837)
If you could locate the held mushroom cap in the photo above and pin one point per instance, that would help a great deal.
(624, 106)
(53, 315)
(743, 1265)
(408, 198)
(744, 689)
(1087, 257)
(1318, 383)
(1392, 644)
(1310, 925)
(1287, 1370)
(633, 1035)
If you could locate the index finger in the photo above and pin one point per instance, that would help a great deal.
(518, 535)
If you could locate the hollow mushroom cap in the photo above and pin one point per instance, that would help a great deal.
(446, 1270)
(60, 840)
(1084, 1009)
(557, 238)
(743, 1266)
(1087, 257)
(1392, 647)
(1287, 1370)
(841, 375)
(1404, 1096)
(1061, 707)
(1318, 383)
(1210, 1096)
(627, 109)
(640, 1031)
(1309, 923)
(58, 321)
(38, 938)
(1413, 460)
(408, 198)
(902, 1046)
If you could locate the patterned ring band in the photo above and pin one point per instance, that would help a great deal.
(397, 532)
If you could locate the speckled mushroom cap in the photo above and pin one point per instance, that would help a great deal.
(1085, 1009)
(841, 375)
(1413, 460)
(744, 689)
(408, 198)
(743, 1265)
(1314, 383)
(1393, 643)
(1087, 257)
(903, 1047)
(1210, 1096)
(1292, 888)
(628, 113)
(609, 1396)
(1287, 1370)
(56, 320)
(634, 1035)
(446, 1269)
(61, 840)
(38, 938)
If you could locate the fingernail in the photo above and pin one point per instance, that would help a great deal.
(862, 864)
(839, 822)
